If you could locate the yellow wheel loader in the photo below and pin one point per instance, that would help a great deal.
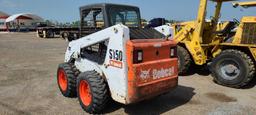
(229, 47)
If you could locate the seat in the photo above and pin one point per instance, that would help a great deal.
(227, 30)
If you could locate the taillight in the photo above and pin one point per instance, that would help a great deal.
(137, 56)
(173, 52)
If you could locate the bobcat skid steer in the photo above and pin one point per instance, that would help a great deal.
(121, 61)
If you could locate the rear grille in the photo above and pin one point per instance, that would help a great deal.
(144, 33)
(249, 33)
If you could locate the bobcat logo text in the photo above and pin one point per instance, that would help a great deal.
(157, 73)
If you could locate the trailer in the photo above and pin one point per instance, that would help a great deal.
(63, 32)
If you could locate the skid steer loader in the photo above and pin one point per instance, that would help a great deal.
(116, 59)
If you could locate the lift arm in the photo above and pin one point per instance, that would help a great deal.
(191, 34)
(245, 4)
(118, 32)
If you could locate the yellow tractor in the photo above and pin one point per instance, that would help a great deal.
(229, 47)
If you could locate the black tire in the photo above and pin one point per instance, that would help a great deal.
(65, 36)
(233, 68)
(41, 36)
(98, 92)
(184, 60)
(70, 74)
(49, 34)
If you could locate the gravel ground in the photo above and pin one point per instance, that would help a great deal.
(28, 86)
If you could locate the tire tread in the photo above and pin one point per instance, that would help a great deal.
(249, 62)
(99, 92)
(70, 70)
(187, 60)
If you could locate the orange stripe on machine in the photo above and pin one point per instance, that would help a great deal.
(115, 63)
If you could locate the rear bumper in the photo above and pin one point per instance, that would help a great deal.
(152, 79)
(150, 90)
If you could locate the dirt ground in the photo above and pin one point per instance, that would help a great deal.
(28, 86)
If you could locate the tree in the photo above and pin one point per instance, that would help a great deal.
(49, 23)
(75, 24)
(143, 20)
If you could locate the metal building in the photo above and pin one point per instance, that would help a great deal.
(3, 17)
(23, 22)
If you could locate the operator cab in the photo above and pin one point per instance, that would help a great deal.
(96, 17)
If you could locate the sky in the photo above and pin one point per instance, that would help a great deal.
(67, 10)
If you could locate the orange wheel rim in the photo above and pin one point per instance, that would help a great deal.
(62, 80)
(85, 92)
